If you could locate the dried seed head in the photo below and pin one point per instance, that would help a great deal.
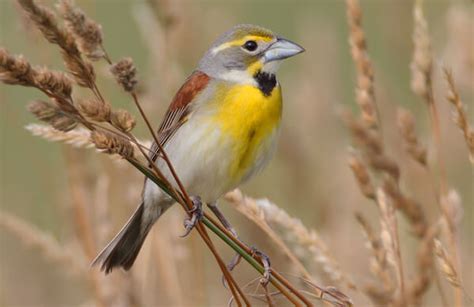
(378, 264)
(112, 144)
(51, 114)
(56, 83)
(45, 20)
(42, 110)
(452, 209)
(367, 139)
(362, 176)
(86, 32)
(406, 126)
(421, 64)
(95, 109)
(446, 264)
(125, 74)
(365, 93)
(83, 72)
(15, 70)
(409, 207)
(460, 116)
(78, 138)
(122, 120)
(63, 123)
(420, 283)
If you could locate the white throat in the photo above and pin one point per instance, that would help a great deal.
(238, 76)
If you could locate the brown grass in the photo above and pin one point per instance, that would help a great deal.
(407, 233)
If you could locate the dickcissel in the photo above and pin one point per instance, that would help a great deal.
(219, 131)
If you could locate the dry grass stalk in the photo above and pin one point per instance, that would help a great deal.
(365, 93)
(460, 116)
(389, 237)
(81, 216)
(452, 210)
(378, 265)
(112, 144)
(45, 20)
(371, 144)
(79, 138)
(446, 264)
(420, 283)
(362, 176)
(125, 72)
(250, 208)
(86, 32)
(422, 70)
(50, 248)
(52, 115)
(406, 126)
(409, 207)
(296, 231)
(95, 109)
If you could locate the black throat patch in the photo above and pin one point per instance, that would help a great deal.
(266, 82)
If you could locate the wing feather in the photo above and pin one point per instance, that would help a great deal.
(179, 109)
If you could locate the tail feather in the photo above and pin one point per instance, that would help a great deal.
(124, 247)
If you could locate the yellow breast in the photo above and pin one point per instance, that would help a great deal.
(248, 118)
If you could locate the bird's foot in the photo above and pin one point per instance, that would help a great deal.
(267, 269)
(196, 215)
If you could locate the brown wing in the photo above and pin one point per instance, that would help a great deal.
(179, 109)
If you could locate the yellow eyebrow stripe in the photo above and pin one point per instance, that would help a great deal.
(240, 42)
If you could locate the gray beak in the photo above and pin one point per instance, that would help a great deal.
(281, 49)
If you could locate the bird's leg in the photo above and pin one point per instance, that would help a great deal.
(267, 269)
(196, 215)
(222, 219)
(236, 260)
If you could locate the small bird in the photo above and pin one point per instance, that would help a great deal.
(219, 131)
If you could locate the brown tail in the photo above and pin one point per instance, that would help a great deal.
(124, 247)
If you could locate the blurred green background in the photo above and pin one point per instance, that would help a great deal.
(309, 176)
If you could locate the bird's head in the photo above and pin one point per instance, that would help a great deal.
(244, 51)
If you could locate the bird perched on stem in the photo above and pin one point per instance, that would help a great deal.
(219, 131)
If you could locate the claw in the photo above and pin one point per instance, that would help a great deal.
(196, 216)
(266, 265)
(234, 262)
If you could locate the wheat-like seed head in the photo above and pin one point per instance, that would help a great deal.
(79, 138)
(125, 73)
(45, 20)
(406, 126)
(378, 265)
(409, 207)
(95, 109)
(15, 70)
(122, 120)
(112, 144)
(51, 114)
(297, 233)
(362, 176)
(365, 93)
(446, 264)
(86, 32)
(460, 116)
(421, 65)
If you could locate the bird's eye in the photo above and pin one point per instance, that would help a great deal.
(250, 45)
